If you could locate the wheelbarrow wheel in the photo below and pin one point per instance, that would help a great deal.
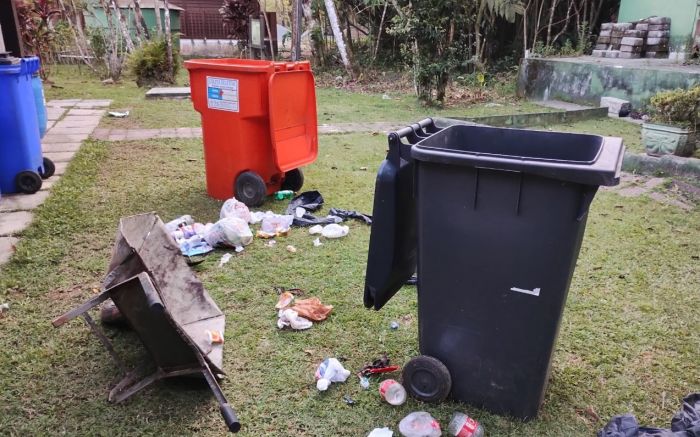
(250, 188)
(28, 182)
(49, 169)
(427, 379)
(293, 180)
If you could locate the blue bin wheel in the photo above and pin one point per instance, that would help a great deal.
(28, 182)
(250, 188)
(293, 180)
(49, 169)
(425, 378)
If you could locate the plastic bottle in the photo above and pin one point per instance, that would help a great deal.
(329, 371)
(392, 392)
(284, 194)
(419, 424)
(462, 425)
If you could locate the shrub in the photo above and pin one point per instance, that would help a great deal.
(149, 63)
(678, 107)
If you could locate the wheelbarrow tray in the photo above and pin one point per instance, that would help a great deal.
(167, 307)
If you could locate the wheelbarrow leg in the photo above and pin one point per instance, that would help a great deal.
(127, 388)
(227, 411)
(105, 341)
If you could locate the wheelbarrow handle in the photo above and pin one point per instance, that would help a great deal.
(230, 417)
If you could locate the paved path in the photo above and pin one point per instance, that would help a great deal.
(107, 134)
(69, 123)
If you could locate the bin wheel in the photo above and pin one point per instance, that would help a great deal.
(28, 182)
(427, 379)
(250, 188)
(49, 169)
(293, 180)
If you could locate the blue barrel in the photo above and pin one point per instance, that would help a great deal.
(21, 165)
(39, 101)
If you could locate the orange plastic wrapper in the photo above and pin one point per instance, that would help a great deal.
(285, 300)
(312, 309)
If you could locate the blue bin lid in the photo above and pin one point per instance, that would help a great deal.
(30, 65)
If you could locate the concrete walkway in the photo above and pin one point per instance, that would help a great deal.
(107, 134)
(69, 123)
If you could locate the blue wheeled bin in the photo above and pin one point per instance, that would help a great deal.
(40, 101)
(22, 167)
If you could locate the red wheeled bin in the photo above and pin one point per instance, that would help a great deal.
(258, 122)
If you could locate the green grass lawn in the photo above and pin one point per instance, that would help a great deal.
(333, 105)
(628, 341)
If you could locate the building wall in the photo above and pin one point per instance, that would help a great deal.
(683, 14)
(97, 18)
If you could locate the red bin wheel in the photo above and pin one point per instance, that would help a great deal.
(250, 188)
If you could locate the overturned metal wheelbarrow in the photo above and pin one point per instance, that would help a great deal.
(167, 306)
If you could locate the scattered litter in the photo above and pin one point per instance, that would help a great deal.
(291, 249)
(117, 114)
(238, 249)
(194, 245)
(4, 308)
(386, 97)
(363, 168)
(286, 298)
(348, 400)
(345, 214)
(289, 317)
(317, 242)
(174, 225)
(309, 201)
(686, 422)
(270, 243)
(317, 229)
(335, 230)
(284, 194)
(276, 224)
(379, 365)
(394, 325)
(392, 391)
(330, 371)
(413, 280)
(224, 259)
(419, 424)
(229, 231)
(463, 425)
(214, 336)
(364, 382)
(312, 309)
(381, 432)
(493, 105)
(110, 314)
(235, 208)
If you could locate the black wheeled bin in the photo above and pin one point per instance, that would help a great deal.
(492, 219)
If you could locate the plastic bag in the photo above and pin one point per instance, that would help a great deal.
(381, 432)
(234, 208)
(173, 225)
(276, 224)
(335, 231)
(419, 424)
(329, 371)
(289, 317)
(685, 423)
(346, 214)
(230, 231)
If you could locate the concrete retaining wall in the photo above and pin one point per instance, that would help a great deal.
(586, 83)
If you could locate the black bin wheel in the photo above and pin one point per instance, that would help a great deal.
(28, 182)
(49, 169)
(250, 188)
(427, 379)
(293, 180)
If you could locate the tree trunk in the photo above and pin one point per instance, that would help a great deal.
(338, 35)
(477, 32)
(141, 28)
(379, 32)
(168, 40)
(537, 24)
(78, 36)
(312, 24)
(113, 61)
(551, 19)
(123, 26)
(567, 20)
(156, 11)
(296, 30)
